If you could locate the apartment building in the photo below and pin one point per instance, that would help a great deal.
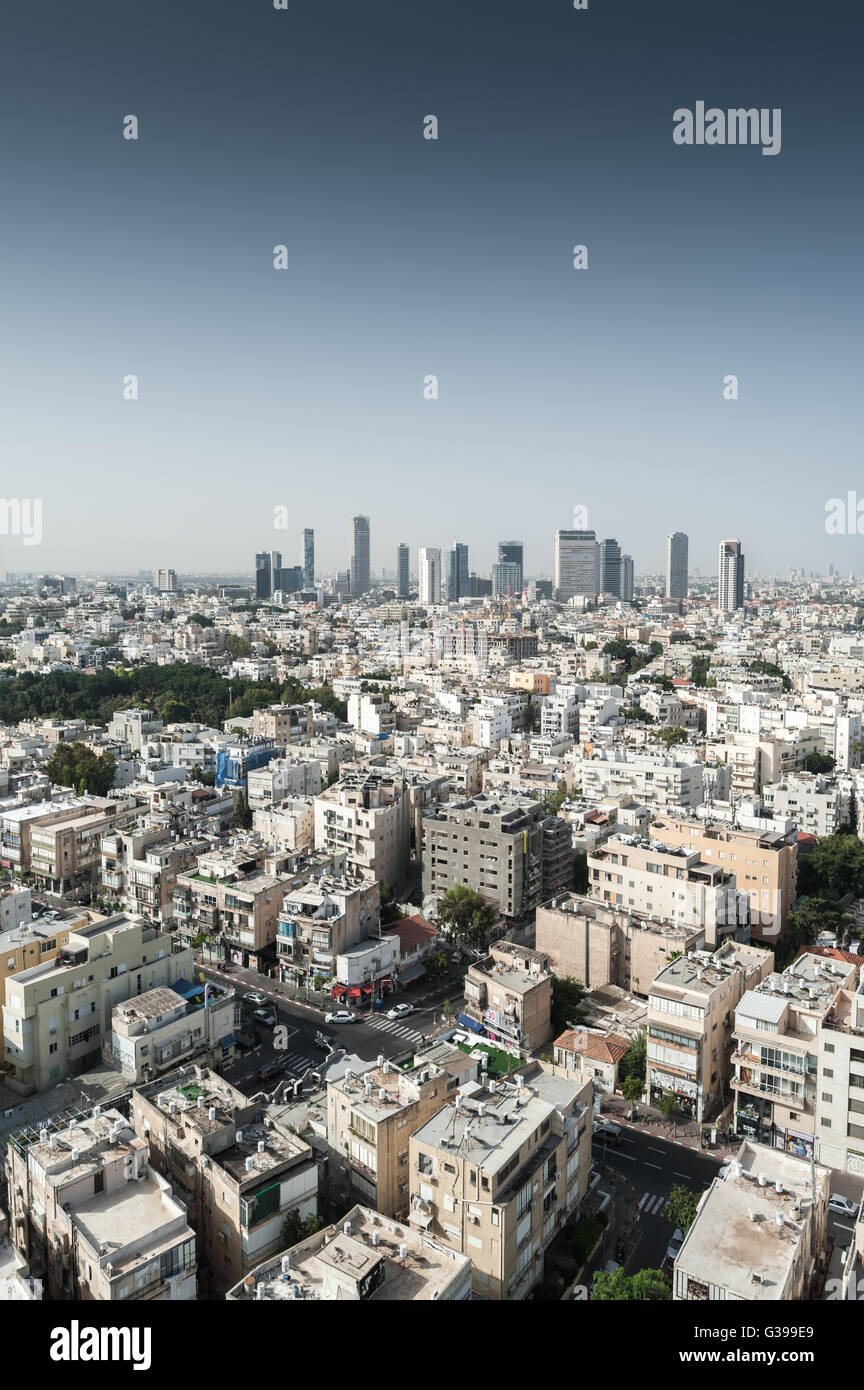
(66, 851)
(366, 814)
(371, 714)
(373, 1108)
(139, 870)
(600, 944)
(666, 781)
(669, 882)
(818, 805)
(764, 862)
(18, 823)
(691, 1015)
(508, 998)
(320, 920)
(498, 1172)
(366, 1258)
(157, 1031)
(281, 778)
(56, 1014)
(760, 1233)
(236, 911)
(92, 1218)
(37, 941)
(284, 724)
(133, 726)
(503, 846)
(778, 1037)
(236, 1170)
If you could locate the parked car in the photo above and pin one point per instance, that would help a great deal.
(266, 1017)
(341, 1016)
(255, 997)
(611, 1133)
(675, 1245)
(400, 1011)
(842, 1206)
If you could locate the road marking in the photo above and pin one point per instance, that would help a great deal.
(645, 1197)
(653, 1165)
(684, 1175)
(654, 1150)
(838, 1227)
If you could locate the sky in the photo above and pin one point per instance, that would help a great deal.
(304, 387)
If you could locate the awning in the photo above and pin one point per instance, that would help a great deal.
(186, 989)
(228, 1042)
(367, 989)
(354, 992)
(338, 992)
(412, 971)
(468, 1022)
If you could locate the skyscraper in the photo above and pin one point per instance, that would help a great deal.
(457, 572)
(610, 567)
(677, 549)
(730, 577)
(263, 587)
(402, 571)
(275, 567)
(506, 579)
(430, 574)
(308, 558)
(511, 553)
(577, 564)
(360, 571)
(626, 578)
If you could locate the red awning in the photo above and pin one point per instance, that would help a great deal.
(367, 989)
(337, 992)
(354, 992)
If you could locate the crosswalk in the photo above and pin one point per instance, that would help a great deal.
(399, 1030)
(651, 1204)
(294, 1062)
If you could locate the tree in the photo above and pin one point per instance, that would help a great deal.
(671, 736)
(633, 1088)
(813, 916)
(296, 1228)
(242, 817)
(447, 1009)
(680, 1208)
(835, 868)
(647, 1285)
(819, 762)
(668, 1105)
(76, 765)
(436, 965)
(389, 907)
(567, 995)
(553, 801)
(465, 915)
(237, 646)
(532, 716)
(634, 1060)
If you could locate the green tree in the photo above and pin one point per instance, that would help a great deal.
(680, 1208)
(633, 1062)
(671, 736)
(668, 1105)
(819, 763)
(466, 916)
(532, 716)
(76, 765)
(390, 911)
(242, 817)
(567, 995)
(237, 646)
(835, 868)
(632, 1088)
(647, 1285)
(553, 801)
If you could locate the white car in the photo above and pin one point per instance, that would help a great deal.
(341, 1016)
(400, 1011)
(842, 1206)
(256, 997)
(675, 1245)
(723, 1169)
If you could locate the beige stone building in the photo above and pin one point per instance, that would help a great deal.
(691, 1015)
(758, 1235)
(92, 1218)
(373, 1108)
(765, 865)
(321, 919)
(367, 815)
(157, 1031)
(237, 1171)
(669, 882)
(599, 944)
(34, 943)
(499, 1171)
(283, 723)
(236, 911)
(508, 995)
(366, 1258)
(57, 1014)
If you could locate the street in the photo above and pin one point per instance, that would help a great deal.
(371, 1036)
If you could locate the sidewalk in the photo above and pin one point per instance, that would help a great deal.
(687, 1133)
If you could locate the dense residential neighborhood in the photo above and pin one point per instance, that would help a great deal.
(499, 944)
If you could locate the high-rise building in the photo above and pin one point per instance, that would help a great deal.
(275, 567)
(430, 574)
(403, 577)
(308, 558)
(677, 549)
(511, 553)
(263, 587)
(610, 567)
(457, 572)
(577, 564)
(730, 578)
(506, 579)
(166, 580)
(360, 557)
(626, 578)
(288, 579)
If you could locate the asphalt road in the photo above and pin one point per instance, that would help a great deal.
(373, 1035)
